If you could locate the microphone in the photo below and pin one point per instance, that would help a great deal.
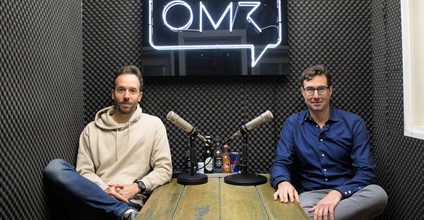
(177, 120)
(264, 117)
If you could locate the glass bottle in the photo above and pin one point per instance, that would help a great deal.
(208, 156)
(187, 167)
(217, 156)
(226, 160)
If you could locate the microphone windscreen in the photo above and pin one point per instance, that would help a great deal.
(264, 117)
(268, 115)
(177, 120)
(171, 116)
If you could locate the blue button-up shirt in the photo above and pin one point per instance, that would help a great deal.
(338, 156)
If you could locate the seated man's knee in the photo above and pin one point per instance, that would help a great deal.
(54, 169)
(379, 194)
(378, 202)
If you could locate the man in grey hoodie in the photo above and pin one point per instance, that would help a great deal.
(122, 154)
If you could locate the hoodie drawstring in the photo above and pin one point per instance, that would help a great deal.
(116, 145)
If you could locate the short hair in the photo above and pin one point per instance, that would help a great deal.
(316, 70)
(129, 70)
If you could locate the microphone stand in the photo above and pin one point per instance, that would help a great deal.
(192, 178)
(243, 178)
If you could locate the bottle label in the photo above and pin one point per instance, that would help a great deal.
(208, 164)
(226, 166)
(218, 164)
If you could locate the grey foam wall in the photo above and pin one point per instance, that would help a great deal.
(41, 98)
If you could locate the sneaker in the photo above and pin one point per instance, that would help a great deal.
(130, 214)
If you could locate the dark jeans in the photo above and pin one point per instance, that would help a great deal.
(71, 196)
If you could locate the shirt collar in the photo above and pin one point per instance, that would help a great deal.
(333, 115)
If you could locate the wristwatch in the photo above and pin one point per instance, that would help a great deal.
(141, 186)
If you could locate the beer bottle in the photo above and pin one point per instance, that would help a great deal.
(208, 156)
(217, 156)
(226, 160)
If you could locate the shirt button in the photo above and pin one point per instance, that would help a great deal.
(325, 170)
(322, 155)
(345, 193)
(316, 125)
(349, 192)
(326, 179)
(320, 140)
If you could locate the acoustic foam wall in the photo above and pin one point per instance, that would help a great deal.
(41, 98)
(400, 157)
(111, 38)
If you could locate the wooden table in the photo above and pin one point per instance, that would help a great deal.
(217, 200)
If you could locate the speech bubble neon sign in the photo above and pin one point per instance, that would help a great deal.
(203, 11)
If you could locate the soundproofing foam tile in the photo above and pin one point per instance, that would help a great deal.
(406, 153)
(378, 138)
(35, 78)
(259, 95)
(344, 51)
(22, 163)
(394, 70)
(110, 42)
(260, 98)
(380, 92)
(405, 177)
(395, 101)
(401, 154)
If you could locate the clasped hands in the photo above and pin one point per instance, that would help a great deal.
(122, 191)
(324, 209)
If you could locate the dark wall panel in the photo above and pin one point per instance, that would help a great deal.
(111, 38)
(400, 157)
(41, 98)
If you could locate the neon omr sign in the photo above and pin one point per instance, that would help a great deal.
(246, 10)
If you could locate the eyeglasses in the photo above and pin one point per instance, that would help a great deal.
(311, 91)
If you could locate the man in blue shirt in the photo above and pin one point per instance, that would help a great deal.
(330, 150)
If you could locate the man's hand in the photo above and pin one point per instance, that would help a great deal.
(122, 192)
(286, 192)
(325, 207)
